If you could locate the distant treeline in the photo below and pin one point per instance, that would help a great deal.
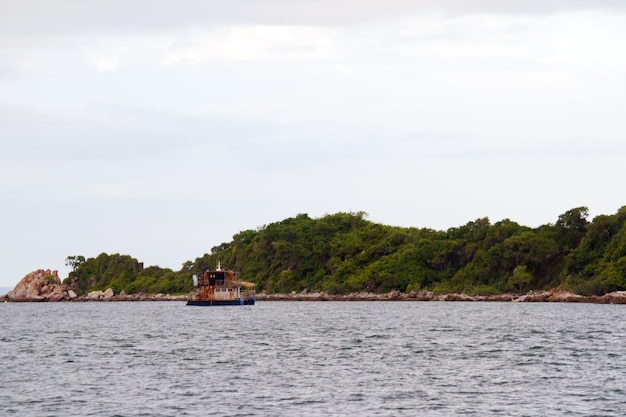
(344, 252)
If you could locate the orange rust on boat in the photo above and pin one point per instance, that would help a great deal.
(219, 287)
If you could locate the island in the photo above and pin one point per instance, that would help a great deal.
(344, 256)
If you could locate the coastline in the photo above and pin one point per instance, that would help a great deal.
(552, 296)
(45, 286)
(393, 296)
(87, 299)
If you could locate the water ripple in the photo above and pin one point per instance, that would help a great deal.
(313, 359)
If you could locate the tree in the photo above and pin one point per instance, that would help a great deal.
(75, 262)
(345, 252)
(572, 226)
(521, 277)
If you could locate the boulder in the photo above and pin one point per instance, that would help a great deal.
(36, 286)
(95, 295)
(618, 297)
(394, 295)
(457, 297)
(534, 297)
(71, 294)
(109, 293)
(501, 297)
(565, 297)
(425, 296)
(56, 296)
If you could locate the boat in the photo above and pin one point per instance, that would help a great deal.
(219, 287)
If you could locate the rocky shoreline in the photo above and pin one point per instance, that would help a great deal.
(531, 297)
(45, 286)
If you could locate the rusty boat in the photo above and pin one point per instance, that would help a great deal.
(219, 287)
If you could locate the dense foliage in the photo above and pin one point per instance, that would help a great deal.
(345, 252)
(123, 273)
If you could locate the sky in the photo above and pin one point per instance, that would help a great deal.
(160, 129)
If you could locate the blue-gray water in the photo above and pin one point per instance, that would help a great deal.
(312, 359)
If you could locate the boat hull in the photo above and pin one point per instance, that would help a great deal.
(206, 303)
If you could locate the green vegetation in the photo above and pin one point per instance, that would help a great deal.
(123, 273)
(344, 252)
(50, 279)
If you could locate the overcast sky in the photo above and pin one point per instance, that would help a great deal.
(161, 129)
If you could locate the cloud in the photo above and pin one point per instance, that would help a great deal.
(14, 63)
(252, 43)
(105, 63)
(27, 17)
(121, 113)
(111, 132)
(7, 72)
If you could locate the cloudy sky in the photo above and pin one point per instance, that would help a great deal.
(160, 129)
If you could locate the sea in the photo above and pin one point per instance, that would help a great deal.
(312, 359)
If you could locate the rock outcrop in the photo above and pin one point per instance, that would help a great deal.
(45, 285)
(39, 285)
(618, 297)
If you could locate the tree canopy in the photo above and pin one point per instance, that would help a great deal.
(345, 252)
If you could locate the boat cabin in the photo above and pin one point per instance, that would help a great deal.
(219, 287)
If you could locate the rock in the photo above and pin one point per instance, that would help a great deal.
(425, 296)
(35, 286)
(71, 294)
(394, 295)
(618, 297)
(95, 295)
(457, 297)
(565, 297)
(109, 293)
(56, 293)
(534, 297)
(56, 296)
(501, 297)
